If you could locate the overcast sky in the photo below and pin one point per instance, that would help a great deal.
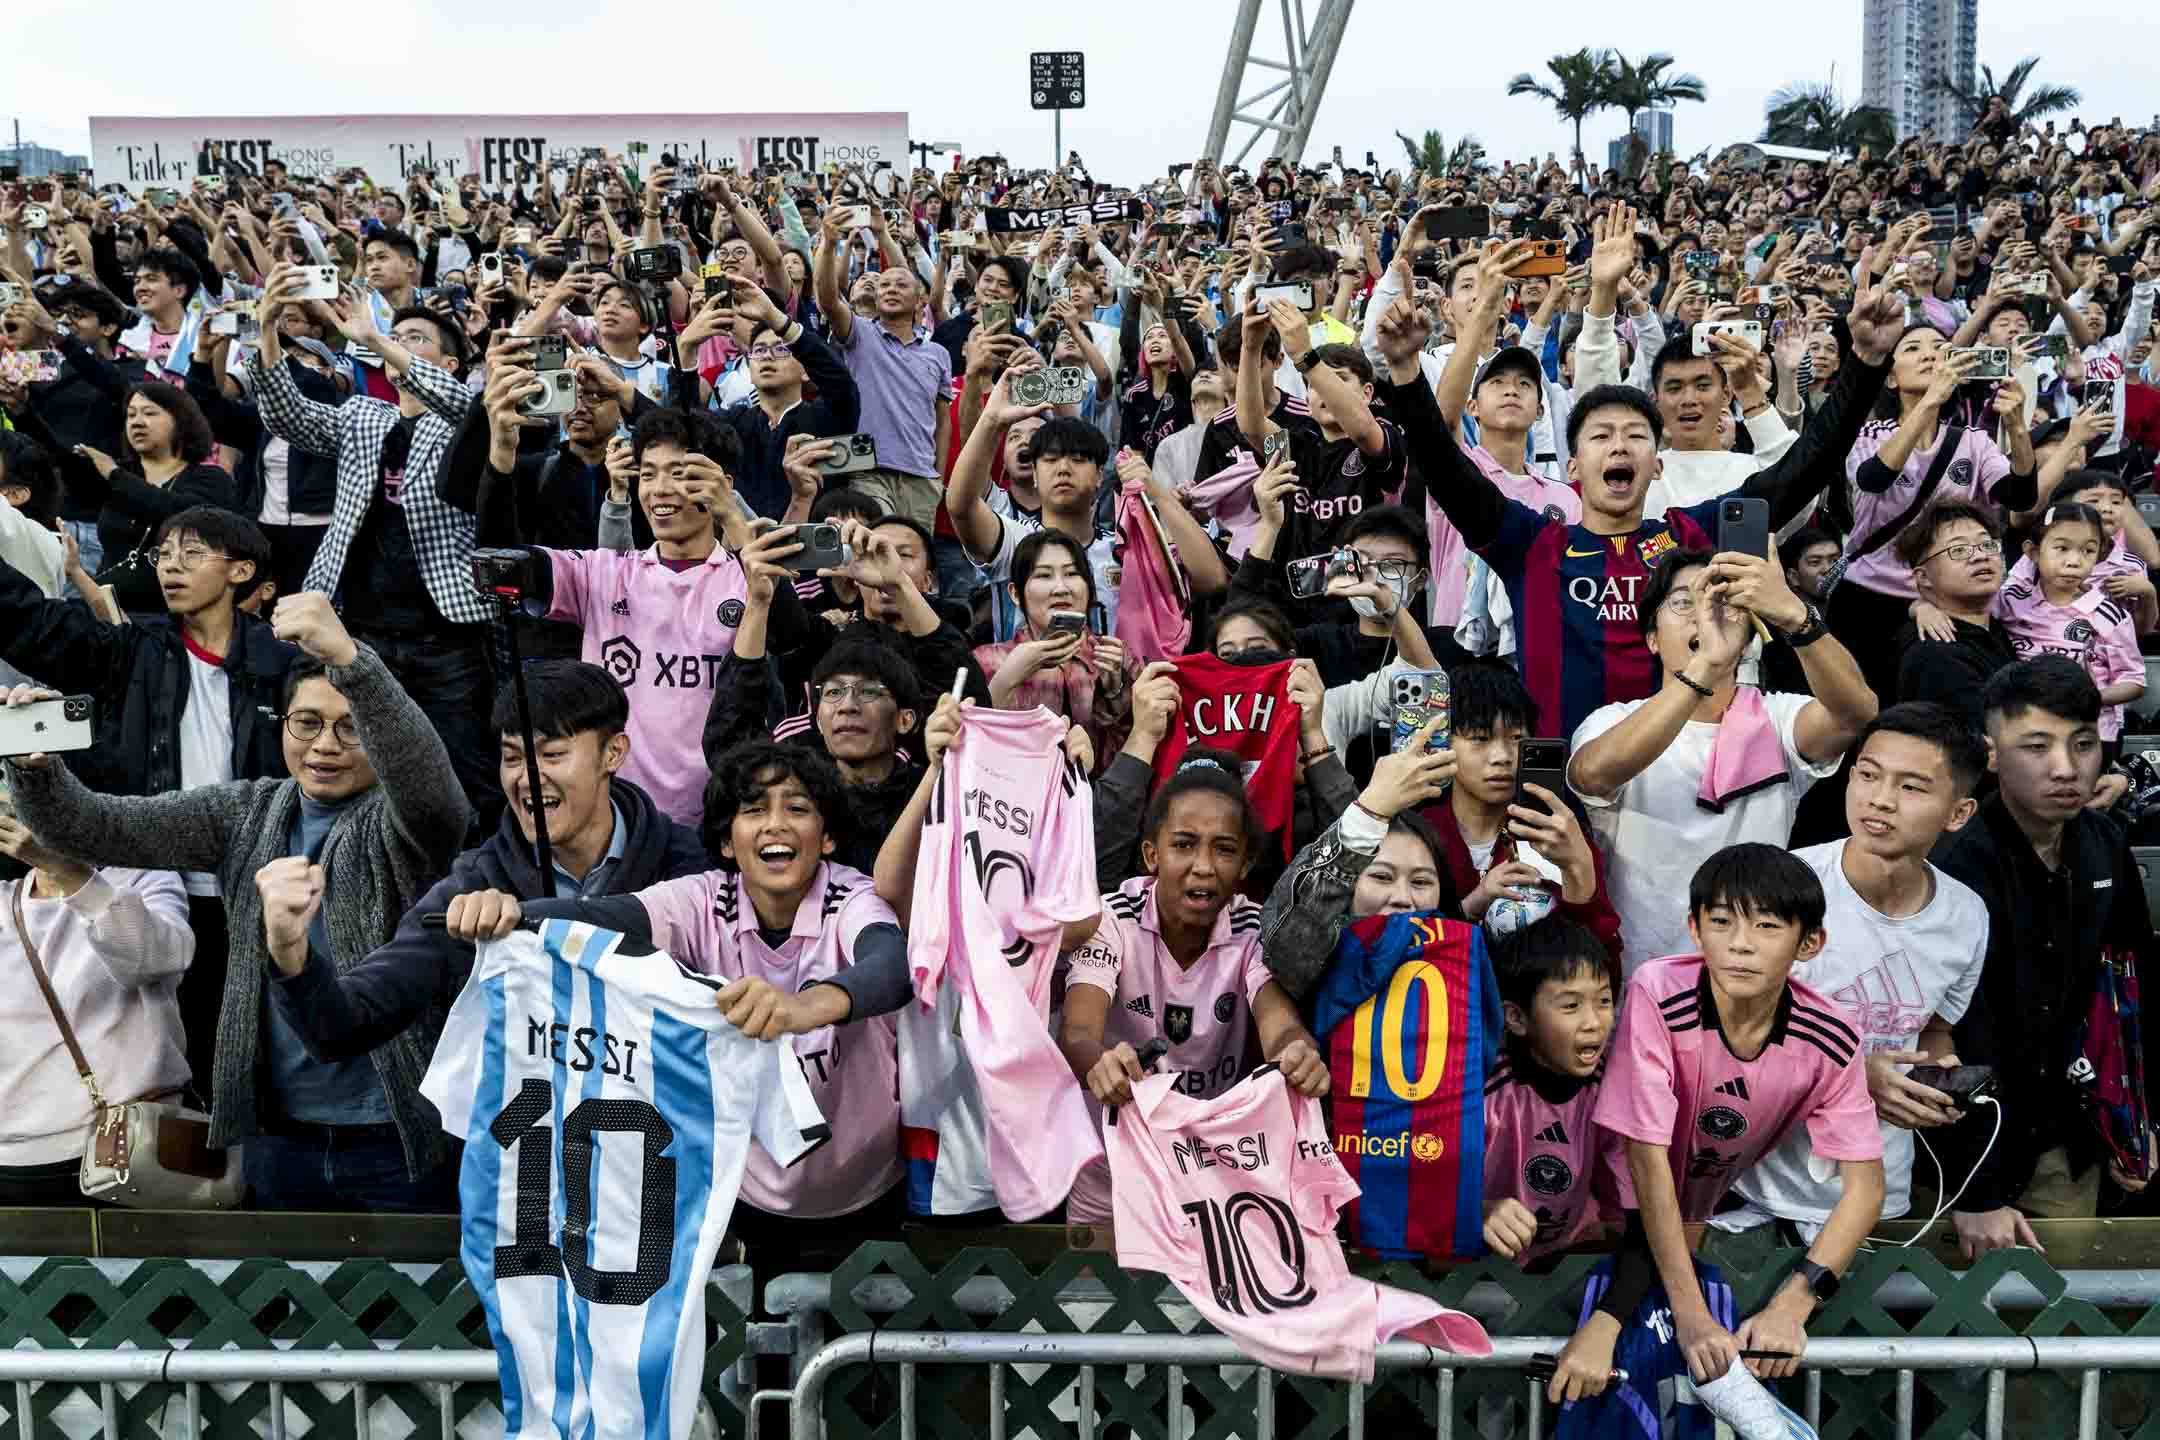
(960, 74)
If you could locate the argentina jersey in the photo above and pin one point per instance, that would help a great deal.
(606, 1109)
(1409, 1014)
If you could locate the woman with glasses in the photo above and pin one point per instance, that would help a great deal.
(323, 862)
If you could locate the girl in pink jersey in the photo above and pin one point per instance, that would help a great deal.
(2058, 613)
(1178, 957)
(2121, 573)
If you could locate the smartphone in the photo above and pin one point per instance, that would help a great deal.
(1748, 330)
(850, 454)
(996, 317)
(1543, 763)
(322, 282)
(1308, 578)
(1991, 362)
(51, 726)
(1743, 525)
(1299, 295)
(1291, 233)
(1457, 222)
(1963, 1083)
(1418, 696)
(852, 217)
(1072, 620)
(716, 280)
(821, 550)
(2097, 392)
(1546, 257)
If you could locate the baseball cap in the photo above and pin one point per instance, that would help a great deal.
(1511, 357)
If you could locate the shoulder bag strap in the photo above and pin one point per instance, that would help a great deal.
(52, 1001)
(1953, 436)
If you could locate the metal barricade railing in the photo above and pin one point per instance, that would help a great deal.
(2085, 1356)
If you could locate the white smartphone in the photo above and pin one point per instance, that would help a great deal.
(322, 282)
(50, 726)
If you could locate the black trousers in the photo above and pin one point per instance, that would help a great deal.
(1867, 623)
(202, 989)
(451, 676)
(292, 550)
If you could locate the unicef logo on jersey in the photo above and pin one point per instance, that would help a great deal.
(1507, 915)
(621, 658)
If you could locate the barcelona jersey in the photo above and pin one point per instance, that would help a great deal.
(1577, 598)
(1410, 1015)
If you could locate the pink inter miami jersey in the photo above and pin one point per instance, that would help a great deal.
(990, 1112)
(1235, 1199)
(662, 633)
(708, 923)
(2095, 631)
(1672, 1081)
(1548, 1153)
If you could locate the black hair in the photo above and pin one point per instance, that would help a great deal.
(192, 438)
(1069, 435)
(109, 310)
(871, 658)
(697, 432)
(639, 301)
(1917, 540)
(1303, 260)
(1392, 521)
(238, 537)
(453, 336)
(303, 668)
(1484, 695)
(26, 463)
(1414, 824)
(1230, 343)
(1664, 579)
(397, 240)
(1556, 949)
(1029, 552)
(2082, 482)
(1015, 270)
(1265, 613)
(1215, 772)
(173, 263)
(1673, 354)
(1346, 357)
(1762, 880)
(569, 698)
(1794, 546)
(1606, 397)
(2054, 684)
(545, 270)
(742, 775)
(845, 502)
(1964, 748)
(2069, 512)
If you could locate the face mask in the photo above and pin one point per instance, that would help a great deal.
(1367, 610)
(1258, 657)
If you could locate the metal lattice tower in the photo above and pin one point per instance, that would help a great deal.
(1295, 97)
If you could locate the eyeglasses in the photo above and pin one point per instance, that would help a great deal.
(306, 726)
(1390, 569)
(1681, 604)
(771, 350)
(838, 692)
(1965, 550)
(189, 557)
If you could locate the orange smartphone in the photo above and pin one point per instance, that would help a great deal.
(1546, 257)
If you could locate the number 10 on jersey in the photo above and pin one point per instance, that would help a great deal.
(533, 1250)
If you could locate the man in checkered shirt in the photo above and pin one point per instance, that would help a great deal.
(396, 556)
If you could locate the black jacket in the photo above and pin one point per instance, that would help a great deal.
(86, 405)
(2046, 932)
(546, 499)
(837, 409)
(138, 675)
(420, 971)
(310, 479)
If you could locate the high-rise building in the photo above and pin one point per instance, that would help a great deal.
(1655, 127)
(1908, 46)
(36, 160)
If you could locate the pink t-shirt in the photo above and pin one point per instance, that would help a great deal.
(1202, 1012)
(662, 633)
(1235, 1199)
(1673, 1081)
(2093, 630)
(2118, 561)
(1451, 558)
(709, 924)
(1550, 1155)
(990, 1112)
(1975, 470)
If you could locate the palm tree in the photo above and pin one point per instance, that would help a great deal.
(1432, 155)
(1639, 85)
(2023, 108)
(1580, 87)
(1814, 118)
(1468, 157)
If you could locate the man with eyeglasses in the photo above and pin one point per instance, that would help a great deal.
(317, 866)
(1955, 554)
(784, 356)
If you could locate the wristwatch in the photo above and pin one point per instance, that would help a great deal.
(1822, 1281)
(1814, 629)
(1309, 359)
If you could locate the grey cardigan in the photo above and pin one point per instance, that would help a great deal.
(384, 851)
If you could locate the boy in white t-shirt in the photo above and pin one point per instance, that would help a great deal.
(1904, 954)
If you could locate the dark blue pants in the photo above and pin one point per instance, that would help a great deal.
(340, 1167)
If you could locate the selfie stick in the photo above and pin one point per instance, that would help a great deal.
(506, 592)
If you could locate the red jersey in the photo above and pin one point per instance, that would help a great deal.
(1246, 710)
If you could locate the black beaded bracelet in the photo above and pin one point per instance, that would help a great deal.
(1705, 693)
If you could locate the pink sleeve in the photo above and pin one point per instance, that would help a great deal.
(1100, 960)
(1636, 1101)
(1070, 892)
(677, 910)
(570, 582)
(858, 913)
(1992, 469)
(1842, 1125)
(2118, 656)
(1252, 971)
(1319, 1186)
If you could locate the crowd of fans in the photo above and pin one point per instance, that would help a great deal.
(243, 505)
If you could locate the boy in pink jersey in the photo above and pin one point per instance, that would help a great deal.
(2059, 613)
(1551, 1173)
(1178, 955)
(662, 619)
(1235, 1199)
(1720, 1055)
(991, 869)
(809, 950)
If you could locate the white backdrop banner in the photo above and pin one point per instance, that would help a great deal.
(137, 151)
